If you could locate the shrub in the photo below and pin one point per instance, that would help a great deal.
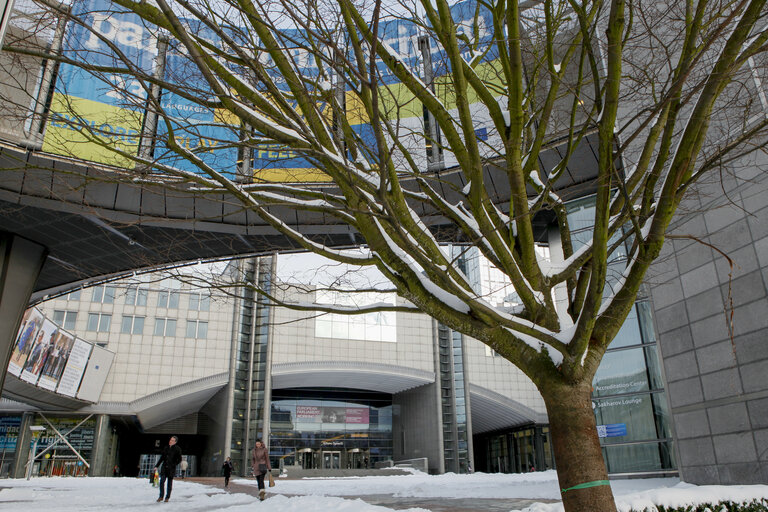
(756, 505)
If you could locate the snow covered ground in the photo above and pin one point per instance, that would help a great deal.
(326, 494)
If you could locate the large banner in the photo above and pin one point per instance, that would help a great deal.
(54, 366)
(328, 414)
(112, 105)
(95, 374)
(50, 358)
(81, 439)
(30, 325)
(94, 115)
(41, 349)
(73, 372)
(9, 432)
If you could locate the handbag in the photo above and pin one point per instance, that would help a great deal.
(271, 480)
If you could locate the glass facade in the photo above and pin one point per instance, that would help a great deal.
(516, 451)
(457, 448)
(250, 362)
(378, 326)
(630, 403)
(9, 435)
(62, 460)
(628, 392)
(628, 395)
(330, 428)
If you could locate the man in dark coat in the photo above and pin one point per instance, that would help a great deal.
(169, 459)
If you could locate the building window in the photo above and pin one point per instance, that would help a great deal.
(132, 324)
(197, 329)
(103, 294)
(65, 319)
(379, 326)
(168, 299)
(136, 296)
(98, 322)
(75, 295)
(199, 302)
(165, 327)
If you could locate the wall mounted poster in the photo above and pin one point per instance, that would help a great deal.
(30, 324)
(41, 349)
(57, 360)
(73, 372)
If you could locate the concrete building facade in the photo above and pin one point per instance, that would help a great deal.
(710, 299)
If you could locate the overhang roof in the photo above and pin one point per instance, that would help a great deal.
(492, 411)
(384, 378)
(489, 410)
(167, 404)
(96, 223)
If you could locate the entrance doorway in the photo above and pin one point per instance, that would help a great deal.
(331, 460)
(304, 458)
(357, 459)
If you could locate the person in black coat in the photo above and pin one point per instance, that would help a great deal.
(227, 470)
(169, 459)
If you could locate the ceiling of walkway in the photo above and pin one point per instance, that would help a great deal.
(489, 410)
(96, 223)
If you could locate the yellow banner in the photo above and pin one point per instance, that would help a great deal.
(91, 130)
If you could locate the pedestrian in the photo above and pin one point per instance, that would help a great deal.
(227, 468)
(260, 465)
(169, 459)
(184, 466)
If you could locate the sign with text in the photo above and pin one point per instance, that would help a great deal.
(612, 430)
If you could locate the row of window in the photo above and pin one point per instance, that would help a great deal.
(137, 296)
(131, 324)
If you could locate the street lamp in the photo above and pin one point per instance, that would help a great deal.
(36, 431)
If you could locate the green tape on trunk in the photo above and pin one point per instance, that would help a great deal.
(585, 485)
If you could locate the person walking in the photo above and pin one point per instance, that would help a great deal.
(169, 459)
(184, 466)
(260, 465)
(227, 468)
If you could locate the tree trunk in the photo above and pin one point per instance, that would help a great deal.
(580, 467)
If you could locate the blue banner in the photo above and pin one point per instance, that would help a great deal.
(112, 104)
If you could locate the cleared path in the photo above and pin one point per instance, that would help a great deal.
(397, 503)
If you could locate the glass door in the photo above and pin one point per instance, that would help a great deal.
(331, 460)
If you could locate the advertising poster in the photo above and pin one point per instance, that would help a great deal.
(81, 438)
(73, 371)
(327, 414)
(57, 359)
(30, 325)
(9, 432)
(207, 133)
(357, 415)
(41, 349)
(308, 413)
(95, 374)
(92, 116)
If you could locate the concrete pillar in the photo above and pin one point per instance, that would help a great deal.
(23, 445)
(5, 15)
(20, 263)
(102, 458)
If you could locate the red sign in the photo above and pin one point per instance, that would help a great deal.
(357, 415)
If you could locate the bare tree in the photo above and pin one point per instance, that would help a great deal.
(394, 119)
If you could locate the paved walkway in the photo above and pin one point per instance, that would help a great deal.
(398, 503)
